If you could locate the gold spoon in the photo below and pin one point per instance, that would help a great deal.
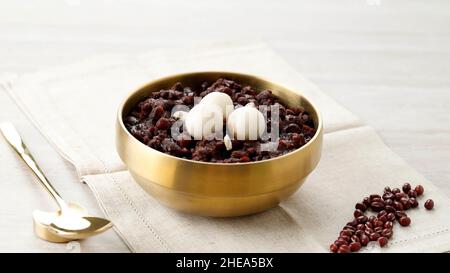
(71, 221)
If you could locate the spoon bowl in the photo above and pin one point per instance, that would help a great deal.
(72, 224)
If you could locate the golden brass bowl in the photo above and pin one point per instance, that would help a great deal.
(217, 189)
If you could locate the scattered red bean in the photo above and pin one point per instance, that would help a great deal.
(399, 196)
(377, 206)
(413, 202)
(361, 206)
(352, 223)
(419, 189)
(406, 187)
(412, 193)
(362, 219)
(344, 249)
(388, 195)
(382, 241)
(386, 233)
(354, 239)
(373, 196)
(340, 242)
(366, 201)
(405, 203)
(429, 204)
(355, 246)
(389, 224)
(388, 207)
(374, 236)
(334, 248)
(400, 214)
(405, 221)
(391, 216)
(346, 233)
(358, 213)
(383, 218)
(364, 239)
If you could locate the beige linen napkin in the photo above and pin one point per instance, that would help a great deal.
(75, 107)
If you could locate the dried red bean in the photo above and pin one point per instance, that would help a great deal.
(366, 201)
(400, 214)
(429, 204)
(404, 221)
(383, 218)
(374, 236)
(388, 195)
(387, 233)
(378, 223)
(378, 229)
(391, 216)
(368, 231)
(352, 223)
(378, 200)
(405, 203)
(381, 213)
(355, 246)
(364, 239)
(413, 202)
(389, 224)
(348, 227)
(406, 187)
(399, 196)
(373, 196)
(340, 242)
(354, 238)
(343, 249)
(346, 233)
(419, 189)
(389, 209)
(377, 206)
(398, 205)
(412, 193)
(334, 248)
(362, 219)
(382, 241)
(361, 206)
(358, 213)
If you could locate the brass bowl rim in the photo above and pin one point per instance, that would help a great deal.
(259, 78)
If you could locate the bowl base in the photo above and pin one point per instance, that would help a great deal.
(215, 206)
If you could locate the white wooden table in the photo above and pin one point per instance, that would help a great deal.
(387, 61)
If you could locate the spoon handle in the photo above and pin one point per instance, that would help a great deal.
(14, 139)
